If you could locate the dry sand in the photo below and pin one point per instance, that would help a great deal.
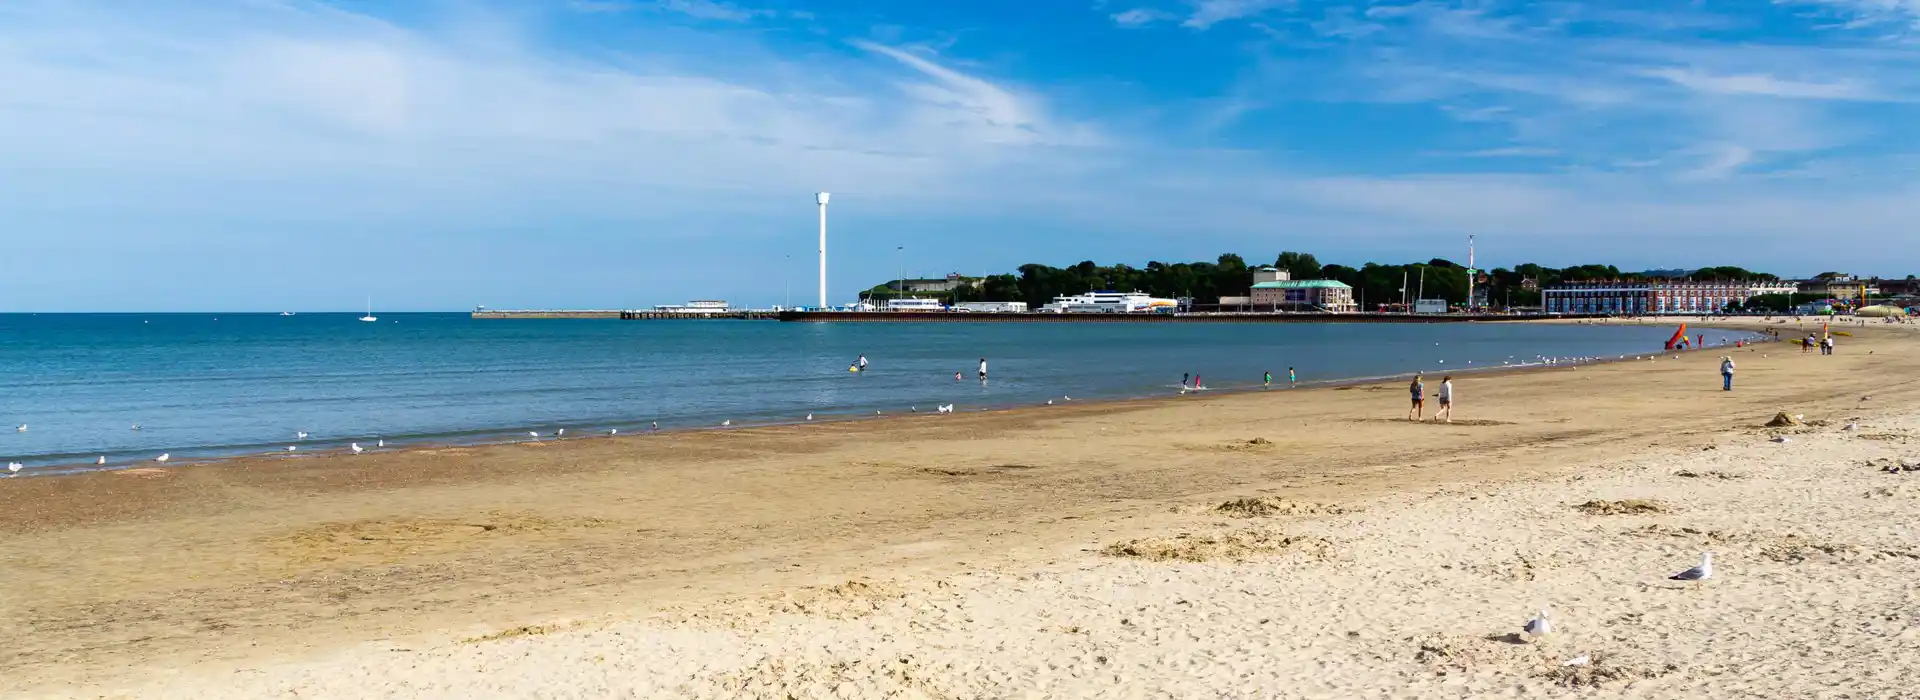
(1070, 551)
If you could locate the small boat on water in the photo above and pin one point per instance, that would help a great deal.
(369, 318)
(286, 313)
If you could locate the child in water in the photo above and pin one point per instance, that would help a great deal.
(1266, 379)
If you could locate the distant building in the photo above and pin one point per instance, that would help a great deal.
(1269, 274)
(1302, 295)
(1530, 283)
(704, 306)
(919, 286)
(915, 304)
(991, 307)
(1646, 297)
(1765, 288)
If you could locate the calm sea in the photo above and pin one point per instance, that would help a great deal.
(206, 385)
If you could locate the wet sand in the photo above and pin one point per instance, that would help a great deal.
(261, 578)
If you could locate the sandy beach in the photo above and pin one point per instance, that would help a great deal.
(1287, 543)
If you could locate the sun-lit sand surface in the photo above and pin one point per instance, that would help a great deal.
(1273, 544)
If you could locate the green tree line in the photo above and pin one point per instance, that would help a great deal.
(1230, 275)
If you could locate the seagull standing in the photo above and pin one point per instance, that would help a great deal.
(656, 425)
(1699, 573)
(357, 449)
(380, 443)
(946, 408)
(809, 416)
(14, 467)
(560, 433)
(101, 460)
(1539, 626)
(913, 409)
(164, 456)
(1049, 402)
(613, 431)
(291, 448)
(1066, 398)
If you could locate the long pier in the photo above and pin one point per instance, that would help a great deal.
(956, 317)
(1221, 317)
(626, 314)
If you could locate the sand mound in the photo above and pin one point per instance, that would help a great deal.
(1269, 506)
(1782, 420)
(980, 471)
(1207, 547)
(847, 601)
(1690, 474)
(1694, 535)
(1893, 466)
(1462, 652)
(1602, 670)
(394, 539)
(1631, 506)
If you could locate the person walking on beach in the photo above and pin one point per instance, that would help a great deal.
(1266, 380)
(1446, 400)
(1419, 391)
(1726, 373)
(983, 369)
(1826, 345)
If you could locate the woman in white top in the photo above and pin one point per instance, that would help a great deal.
(1446, 400)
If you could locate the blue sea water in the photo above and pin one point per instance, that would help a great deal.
(217, 385)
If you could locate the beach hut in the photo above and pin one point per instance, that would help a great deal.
(1879, 311)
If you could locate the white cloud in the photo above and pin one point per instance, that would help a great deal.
(1138, 17)
(1207, 13)
(1762, 85)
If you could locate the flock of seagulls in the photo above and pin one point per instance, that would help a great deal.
(1541, 624)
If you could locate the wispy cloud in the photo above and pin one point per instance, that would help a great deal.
(1207, 13)
(698, 9)
(1762, 85)
(1139, 17)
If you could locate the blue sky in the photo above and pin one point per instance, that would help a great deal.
(285, 154)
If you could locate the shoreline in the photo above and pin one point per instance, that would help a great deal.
(195, 572)
(635, 428)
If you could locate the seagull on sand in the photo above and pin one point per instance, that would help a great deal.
(613, 431)
(948, 408)
(1782, 439)
(533, 434)
(1580, 660)
(1699, 573)
(1539, 626)
(560, 433)
(14, 467)
(164, 456)
(726, 422)
(101, 460)
(809, 416)
(1066, 398)
(380, 443)
(357, 449)
(302, 435)
(291, 448)
(1049, 402)
(656, 425)
(1851, 427)
(913, 409)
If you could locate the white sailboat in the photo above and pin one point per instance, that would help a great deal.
(369, 318)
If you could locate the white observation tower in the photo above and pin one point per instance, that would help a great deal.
(821, 198)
